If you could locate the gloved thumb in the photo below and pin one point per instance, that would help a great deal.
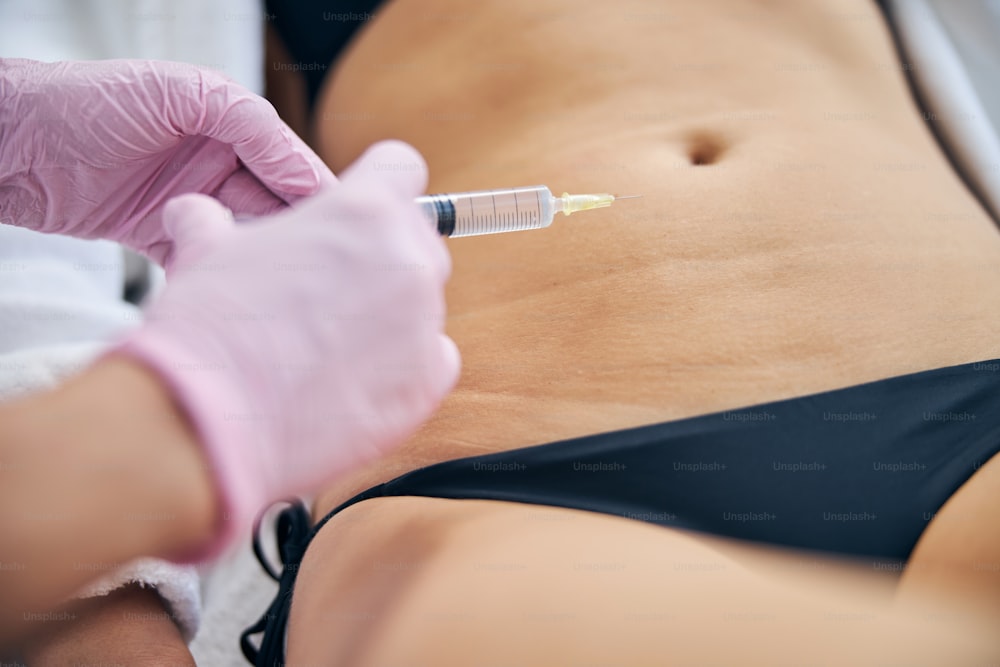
(195, 224)
(392, 162)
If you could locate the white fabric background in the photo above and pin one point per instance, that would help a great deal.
(221, 34)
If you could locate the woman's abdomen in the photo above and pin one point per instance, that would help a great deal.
(799, 230)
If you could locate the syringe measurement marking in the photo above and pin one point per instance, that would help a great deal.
(472, 209)
(517, 212)
(499, 218)
(493, 196)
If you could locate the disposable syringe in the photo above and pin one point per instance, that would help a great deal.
(508, 210)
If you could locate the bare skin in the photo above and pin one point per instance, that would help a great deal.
(800, 231)
(106, 454)
(130, 626)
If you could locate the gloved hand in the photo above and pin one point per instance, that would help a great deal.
(95, 149)
(308, 343)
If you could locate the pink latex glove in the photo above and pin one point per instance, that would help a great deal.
(308, 343)
(95, 149)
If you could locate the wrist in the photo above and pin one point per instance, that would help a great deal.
(122, 459)
(204, 379)
(175, 495)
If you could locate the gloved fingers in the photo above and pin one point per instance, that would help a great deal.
(327, 179)
(195, 223)
(393, 163)
(246, 196)
(229, 113)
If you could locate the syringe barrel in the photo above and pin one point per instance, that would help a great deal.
(489, 211)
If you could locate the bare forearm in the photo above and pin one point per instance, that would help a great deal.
(131, 626)
(98, 472)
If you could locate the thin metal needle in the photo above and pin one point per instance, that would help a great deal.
(625, 196)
